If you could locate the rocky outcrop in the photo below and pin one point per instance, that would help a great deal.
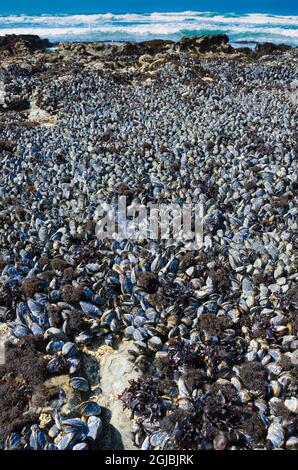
(267, 48)
(205, 44)
(146, 47)
(102, 49)
(85, 52)
(21, 44)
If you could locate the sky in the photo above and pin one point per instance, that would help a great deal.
(286, 7)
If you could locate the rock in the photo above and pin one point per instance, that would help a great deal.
(157, 45)
(21, 44)
(185, 43)
(115, 373)
(72, 49)
(146, 47)
(245, 51)
(3, 338)
(211, 43)
(267, 48)
(145, 59)
(130, 49)
(156, 64)
(206, 43)
(40, 116)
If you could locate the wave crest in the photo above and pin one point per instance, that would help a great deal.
(262, 27)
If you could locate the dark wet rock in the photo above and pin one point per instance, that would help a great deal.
(213, 43)
(245, 50)
(146, 47)
(268, 48)
(17, 104)
(204, 44)
(21, 44)
(67, 48)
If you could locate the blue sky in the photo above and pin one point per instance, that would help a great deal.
(288, 7)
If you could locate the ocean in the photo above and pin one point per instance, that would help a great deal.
(93, 20)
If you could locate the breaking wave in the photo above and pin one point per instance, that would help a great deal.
(246, 27)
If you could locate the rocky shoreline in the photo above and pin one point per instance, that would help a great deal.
(142, 343)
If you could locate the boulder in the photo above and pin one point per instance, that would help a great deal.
(21, 44)
(212, 43)
(245, 50)
(146, 47)
(156, 46)
(206, 43)
(267, 48)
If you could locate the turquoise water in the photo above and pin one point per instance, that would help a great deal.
(97, 20)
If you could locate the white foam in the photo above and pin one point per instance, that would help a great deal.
(72, 20)
(255, 25)
(153, 29)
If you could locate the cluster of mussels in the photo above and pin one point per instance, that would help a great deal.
(214, 328)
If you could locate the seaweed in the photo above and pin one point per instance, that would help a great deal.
(253, 426)
(220, 279)
(211, 423)
(10, 296)
(183, 354)
(69, 274)
(211, 420)
(143, 397)
(31, 286)
(21, 213)
(76, 324)
(212, 324)
(89, 228)
(184, 429)
(253, 376)
(59, 264)
(14, 406)
(7, 146)
(148, 281)
(54, 315)
(20, 357)
(21, 384)
(188, 260)
(71, 294)
(290, 300)
(250, 185)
